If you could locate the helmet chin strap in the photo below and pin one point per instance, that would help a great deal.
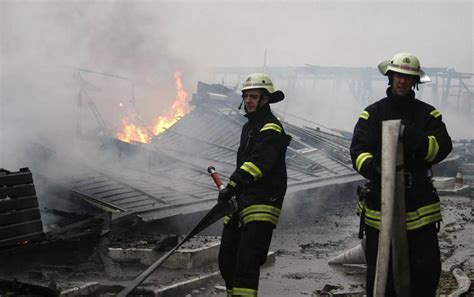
(258, 103)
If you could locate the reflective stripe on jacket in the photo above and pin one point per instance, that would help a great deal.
(415, 219)
(422, 202)
(260, 174)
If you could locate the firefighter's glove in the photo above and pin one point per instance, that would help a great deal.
(226, 194)
(413, 137)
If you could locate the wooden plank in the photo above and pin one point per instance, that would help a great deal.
(20, 229)
(7, 205)
(16, 178)
(21, 190)
(21, 240)
(16, 217)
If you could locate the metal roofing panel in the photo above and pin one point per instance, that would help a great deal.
(170, 176)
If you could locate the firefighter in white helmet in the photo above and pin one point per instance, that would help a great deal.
(426, 142)
(258, 184)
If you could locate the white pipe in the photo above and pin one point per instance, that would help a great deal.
(390, 131)
(400, 259)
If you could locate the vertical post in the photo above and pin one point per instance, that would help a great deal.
(80, 103)
(435, 87)
(265, 58)
(470, 99)
(447, 88)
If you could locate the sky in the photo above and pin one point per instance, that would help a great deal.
(44, 43)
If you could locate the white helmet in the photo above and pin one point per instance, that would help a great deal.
(404, 63)
(262, 81)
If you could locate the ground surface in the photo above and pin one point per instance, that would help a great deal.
(304, 246)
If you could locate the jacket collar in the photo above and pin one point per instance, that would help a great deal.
(258, 114)
(400, 100)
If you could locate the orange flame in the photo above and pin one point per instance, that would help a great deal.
(133, 133)
(180, 107)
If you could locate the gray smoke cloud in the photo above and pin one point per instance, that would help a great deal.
(44, 43)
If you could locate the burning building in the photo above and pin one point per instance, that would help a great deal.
(155, 178)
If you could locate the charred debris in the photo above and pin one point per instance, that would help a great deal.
(61, 217)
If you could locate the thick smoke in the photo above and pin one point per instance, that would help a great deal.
(45, 43)
(111, 54)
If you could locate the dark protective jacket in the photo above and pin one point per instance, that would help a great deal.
(260, 177)
(430, 146)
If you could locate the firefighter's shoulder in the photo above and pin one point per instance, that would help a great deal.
(427, 109)
(370, 110)
(271, 125)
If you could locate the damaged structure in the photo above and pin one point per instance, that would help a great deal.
(20, 217)
(72, 227)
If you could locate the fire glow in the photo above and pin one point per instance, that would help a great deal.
(132, 132)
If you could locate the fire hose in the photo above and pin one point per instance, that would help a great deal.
(217, 212)
(393, 233)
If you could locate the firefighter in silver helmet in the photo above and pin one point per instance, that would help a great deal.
(258, 184)
(426, 142)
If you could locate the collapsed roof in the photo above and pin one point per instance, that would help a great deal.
(169, 176)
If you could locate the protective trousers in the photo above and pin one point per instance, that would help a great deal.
(242, 252)
(424, 257)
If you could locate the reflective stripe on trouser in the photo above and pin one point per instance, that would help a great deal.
(242, 252)
(260, 212)
(424, 258)
(415, 219)
(246, 292)
(257, 212)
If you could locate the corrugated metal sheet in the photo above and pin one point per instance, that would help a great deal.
(170, 177)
